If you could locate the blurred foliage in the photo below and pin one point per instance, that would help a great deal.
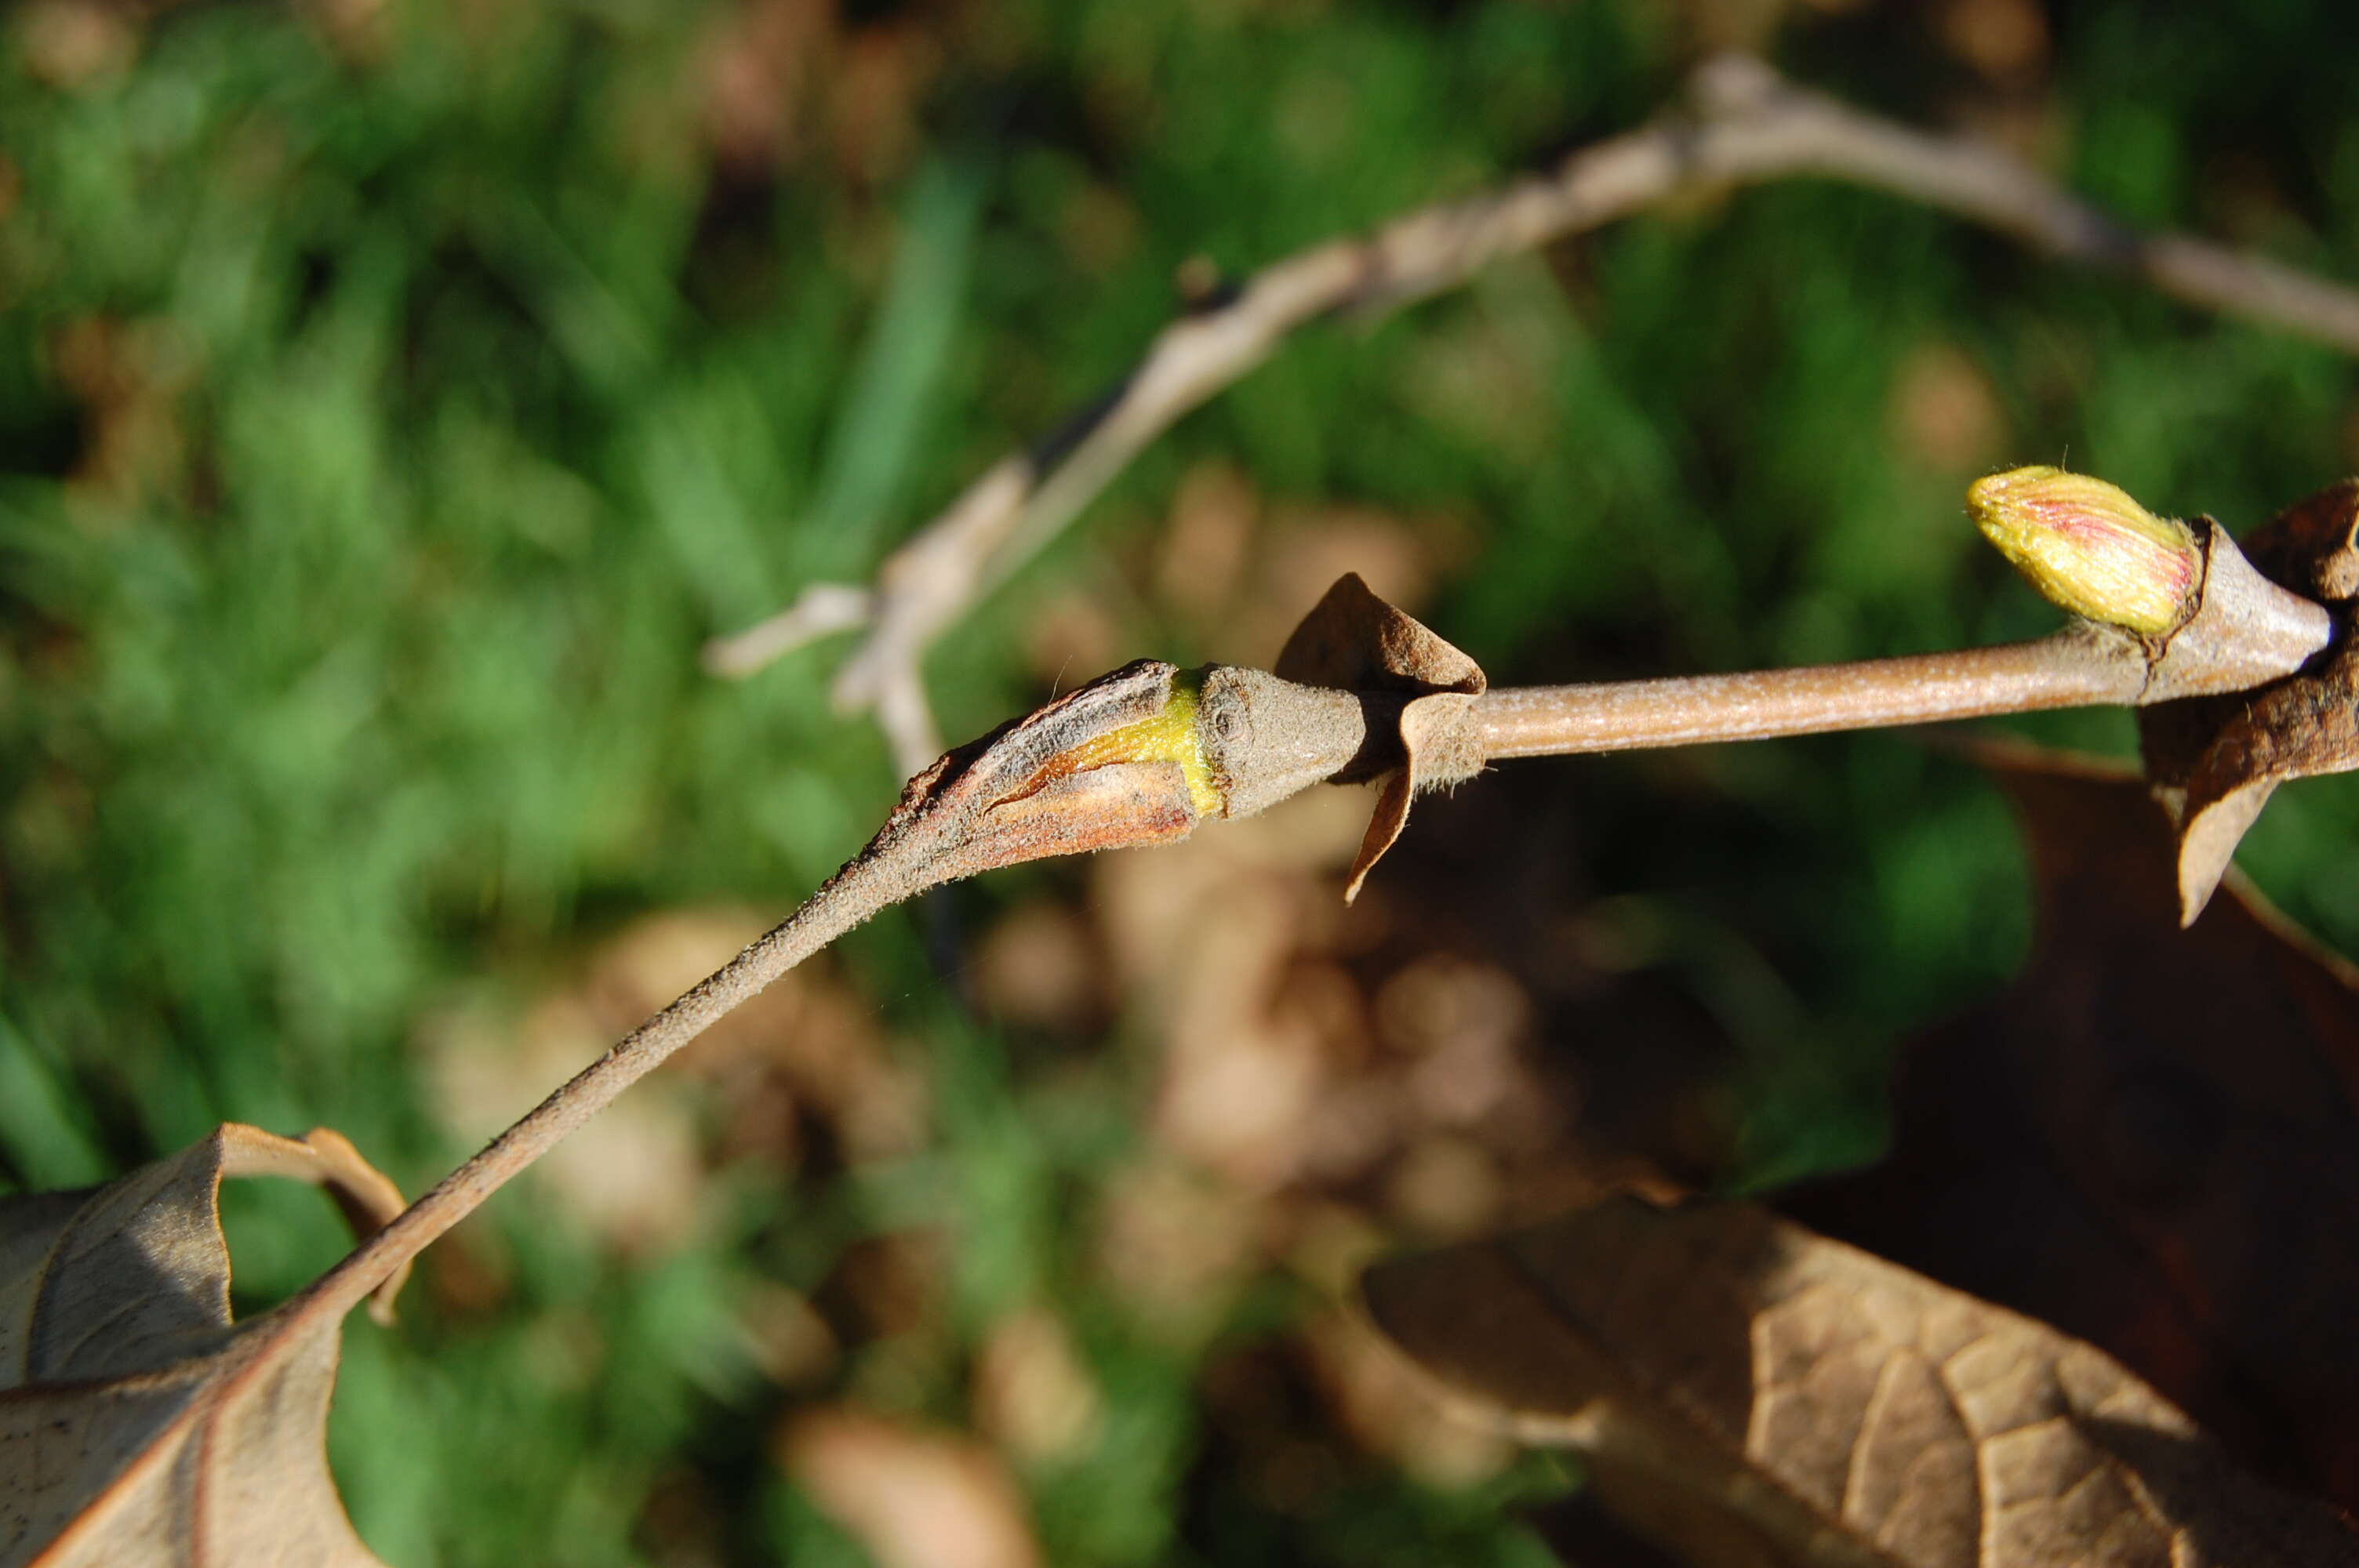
(393, 395)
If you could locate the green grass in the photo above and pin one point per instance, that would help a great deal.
(380, 434)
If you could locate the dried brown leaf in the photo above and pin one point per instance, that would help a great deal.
(138, 1424)
(1174, 1247)
(1204, 551)
(2215, 761)
(1584, 1533)
(1747, 1392)
(1944, 411)
(1381, 1404)
(1033, 1393)
(2152, 1141)
(1353, 641)
(1038, 966)
(913, 1498)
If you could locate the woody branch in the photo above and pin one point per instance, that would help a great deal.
(1743, 125)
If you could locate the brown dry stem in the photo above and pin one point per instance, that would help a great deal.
(1043, 785)
(1137, 757)
(2245, 631)
(1140, 755)
(2075, 668)
(1743, 125)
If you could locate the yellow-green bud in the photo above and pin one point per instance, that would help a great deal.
(2090, 547)
(1170, 736)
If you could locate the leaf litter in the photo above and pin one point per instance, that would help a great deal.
(138, 1423)
(1744, 1391)
(2150, 1140)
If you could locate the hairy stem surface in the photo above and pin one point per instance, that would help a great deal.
(836, 908)
(2068, 670)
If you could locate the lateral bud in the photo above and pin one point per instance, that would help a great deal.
(1266, 739)
(2090, 547)
(1113, 764)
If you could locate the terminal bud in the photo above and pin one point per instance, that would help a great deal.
(2090, 547)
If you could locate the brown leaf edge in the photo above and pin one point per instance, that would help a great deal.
(138, 1424)
(2167, 1119)
(1353, 641)
(1743, 1390)
(2215, 761)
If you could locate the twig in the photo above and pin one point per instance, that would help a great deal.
(908, 720)
(825, 609)
(1081, 774)
(1141, 756)
(833, 909)
(2064, 671)
(1745, 125)
(2239, 632)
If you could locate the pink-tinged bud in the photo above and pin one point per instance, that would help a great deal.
(2090, 547)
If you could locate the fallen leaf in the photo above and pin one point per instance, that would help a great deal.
(1382, 1405)
(1944, 412)
(631, 1178)
(785, 1336)
(1249, 1061)
(1202, 557)
(1033, 1394)
(1353, 641)
(2215, 761)
(138, 1424)
(913, 1498)
(1744, 1391)
(2152, 1141)
(2000, 39)
(1174, 1248)
(1038, 967)
(76, 44)
(750, 78)
(1445, 1186)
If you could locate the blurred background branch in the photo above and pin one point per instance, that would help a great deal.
(1741, 125)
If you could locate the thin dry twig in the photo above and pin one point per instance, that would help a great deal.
(825, 609)
(1364, 692)
(1081, 774)
(1745, 125)
(843, 904)
(1760, 705)
(2239, 632)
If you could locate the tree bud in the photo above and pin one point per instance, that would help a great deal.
(2090, 547)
